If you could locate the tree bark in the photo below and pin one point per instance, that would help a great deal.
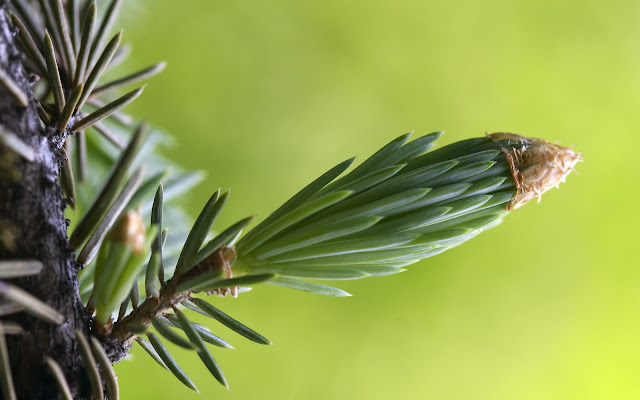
(32, 226)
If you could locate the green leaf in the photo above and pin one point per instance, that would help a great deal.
(106, 274)
(501, 168)
(148, 186)
(74, 22)
(152, 285)
(191, 306)
(119, 116)
(457, 208)
(108, 134)
(392, 155)
(411, 220)
(31, 304)
(67, 181)
(489, 186)
(372, 163)
(62, 31)
(92, 245)
(6, 380)
(17, 145)
(84, 48)
(202, 280)
(412, 149)
(99, 66)
(486, 185)
(12, 88)
(382, 207)
(203, 331)
(379, 270)
(135, 77)
(499, 198)
(151, 351)
(467, 220)
(435, 196)
(137, 329)
(134, 294)
(170, 362)
(367, 181)
(119, 286)
(108, 374)
(338, 247)
(349, 260)
(46, 15)
(53, 72)
(203, 352)
(19, 268)
(8, 308)
(156, 217)
(484, 222)
(214, 244)
(12, 328)
(178, 184)
(295, 216)
(308, 287)
(29, 45)
(460, 173)
(69, 108)
(297, 200)
(446, 236)
(121, 55)
(477, 157)
(211, 280)
(201, 228)
(230, 322)
(430, 215)
(49, 24)
(109, 191)
(163, 326)
(43, 114)
(28, 15)
(90, 365)
(449, 152)
(107, 110)
(107, 21)
(417, 254)
(310, 272)
(315, 233)
(165, 233)
(58, 376)
(405, 181)
(124, 307)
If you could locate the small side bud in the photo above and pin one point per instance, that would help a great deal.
(536, 165)
(129, 230)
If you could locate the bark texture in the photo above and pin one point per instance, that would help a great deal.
(32, 226)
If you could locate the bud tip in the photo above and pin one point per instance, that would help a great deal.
(536, 165)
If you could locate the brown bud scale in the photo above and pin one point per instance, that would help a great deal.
(130, 230)
(536, 165)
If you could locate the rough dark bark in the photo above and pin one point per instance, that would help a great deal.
(32, 219)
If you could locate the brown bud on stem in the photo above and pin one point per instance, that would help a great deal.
(129, 230)
(536, 165)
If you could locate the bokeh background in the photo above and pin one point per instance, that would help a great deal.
(265, 96)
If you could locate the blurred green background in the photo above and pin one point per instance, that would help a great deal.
(265, 96)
